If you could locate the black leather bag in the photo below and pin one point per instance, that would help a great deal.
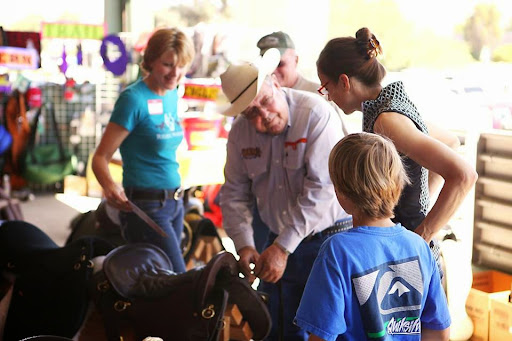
(138, 295)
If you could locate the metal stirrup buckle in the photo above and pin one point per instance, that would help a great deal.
(208, 312)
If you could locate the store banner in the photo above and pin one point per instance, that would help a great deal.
(18, 58)
(25, 40)
(201, 92)
(72, 31)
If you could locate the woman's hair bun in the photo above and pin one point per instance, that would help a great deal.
(368, 43)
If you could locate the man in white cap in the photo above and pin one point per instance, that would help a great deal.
(277, 157)
(286, 72)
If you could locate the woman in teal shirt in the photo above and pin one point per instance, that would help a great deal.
(144, 126)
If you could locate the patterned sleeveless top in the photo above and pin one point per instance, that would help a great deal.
(414, 202)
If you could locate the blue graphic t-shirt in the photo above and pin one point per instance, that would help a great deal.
(373, 283)
(149, 151)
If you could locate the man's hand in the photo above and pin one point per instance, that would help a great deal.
(271, 264)
(248, 255)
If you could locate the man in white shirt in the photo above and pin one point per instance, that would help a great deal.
(288, 76)
(277, 159)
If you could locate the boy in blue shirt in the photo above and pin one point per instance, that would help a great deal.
(376, 281)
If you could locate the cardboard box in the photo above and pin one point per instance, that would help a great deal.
(94, 189)
(500, 318)
(75, 185)
(486, 286)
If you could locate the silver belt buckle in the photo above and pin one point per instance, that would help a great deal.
(178, 194)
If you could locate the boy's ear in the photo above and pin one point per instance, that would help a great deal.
(344, 81)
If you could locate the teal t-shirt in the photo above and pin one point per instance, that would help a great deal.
(149, 151)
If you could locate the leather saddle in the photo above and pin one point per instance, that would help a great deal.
(139, 295)
(50, 295)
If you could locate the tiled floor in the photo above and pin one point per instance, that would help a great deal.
(49, 212)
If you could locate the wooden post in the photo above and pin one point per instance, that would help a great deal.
(239, 329)
(206, 247)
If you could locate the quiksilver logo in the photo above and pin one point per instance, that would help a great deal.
(404, 326)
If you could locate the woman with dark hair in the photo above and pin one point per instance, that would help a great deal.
(351, 76)
(144, 126)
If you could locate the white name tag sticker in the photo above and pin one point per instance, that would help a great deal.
(155, 107)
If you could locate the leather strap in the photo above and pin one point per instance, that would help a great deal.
(142, 215)
(116, 321)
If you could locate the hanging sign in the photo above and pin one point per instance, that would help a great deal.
(115, 65)
(18, 58)
(72, 31)
(201, 92)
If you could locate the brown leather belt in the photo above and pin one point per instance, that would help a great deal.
(155, 194)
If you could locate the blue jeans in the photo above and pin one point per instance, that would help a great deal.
(285, 295)
(168, 214)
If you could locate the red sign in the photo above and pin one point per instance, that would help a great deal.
(34, 97)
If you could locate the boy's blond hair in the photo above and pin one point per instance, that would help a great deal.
(367, 169)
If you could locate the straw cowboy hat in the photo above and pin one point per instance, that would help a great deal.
(242, 82)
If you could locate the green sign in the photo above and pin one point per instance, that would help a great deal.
(73, 31)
